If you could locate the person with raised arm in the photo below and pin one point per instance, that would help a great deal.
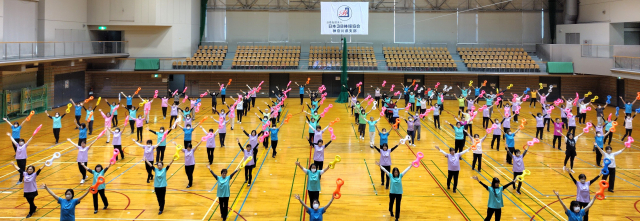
(395, 194)
(57, 124)
(495, 204)
(223, 192)
(83, 157)
(68, 203)
(30, 187)
(160, 182)
(574, 213)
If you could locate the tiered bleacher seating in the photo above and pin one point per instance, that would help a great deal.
(498, 60)
(330, 58)
(419, 59)
(266, 57)
(207, 57)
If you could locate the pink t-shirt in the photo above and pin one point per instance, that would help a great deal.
(165, 102)
(139, 122)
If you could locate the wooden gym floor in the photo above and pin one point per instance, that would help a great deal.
(277, 179)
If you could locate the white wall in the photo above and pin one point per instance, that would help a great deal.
(61, 15)
(598, 33)
(614, 11)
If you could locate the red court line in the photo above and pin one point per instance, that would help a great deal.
(534, 215)
(635, 205)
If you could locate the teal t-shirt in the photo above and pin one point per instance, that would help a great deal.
(312, 127)
(510, 140)
(160, 179)
(132, 113)
(57, 122)
(223, 186)
(114, 112)
(187, 134)
(575, 216)
(95, 179)
(459, 132)
(67, 209)
(383, 138)
(315, 215)
(495, 198)
(396, 184)
(313, 183)
(160, 135)
(372, 126)
(412, 98)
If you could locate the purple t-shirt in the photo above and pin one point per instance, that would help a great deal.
(117, 138)
(211, 141)
(21, 152)
(385, 157)
(30, 182)
(583, 195)
(188, 157)
(318, 154)
(148, 152)
(518, 164)
(248, 152)
(83, 154)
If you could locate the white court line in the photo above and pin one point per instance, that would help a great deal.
(58, 218)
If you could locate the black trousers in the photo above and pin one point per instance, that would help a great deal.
(495, 137)
(83, 171)
(398, 198)
(485, 122)
(22, 164)
(160, 194)
(239, 114)
(436, 121)
(119, 147)
(511, 150)
(313, 195)
(565, 123)
(567, 157)
(224, 207)
(32, 205)
(186, 142)
(253, 101)
(361, 129)
(171, 119)
(478, 157)
(539, 130)
(189, 171)
(160, 153)
(210, 154)
(139, 133)
(515, 174)
(559, 138)
(274, 144)
(56, 134)
(598, 157)
(132, 124)
(149, 173)
(546, 122)
(453, 175)
(104, 199)
(301, 101)
(586, 214)
(78, 119)
(221, 138)
(610, 136)
(572, 129)
(627, 133)
(612, 178)
(248, 174)
(459, 145)
(223, 98)
(383, 175)
(491, 211)
(90, 127)
(164, 112)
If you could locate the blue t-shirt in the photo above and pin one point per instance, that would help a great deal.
(301, 89)
(510, 140)
(223, 186)
(89, 114)
(187, 134)
(274, 133)
(383, 138)
(68, 209)
(395, 112)
(628, 108)
(78, 110)
(600, 141)
(15, 131)
(160, 179)
(575, 216)
(459, 132)
(477, 91)
(129, 100)
(223, 91)
(83, 133)
(315, 215)
(313, 181)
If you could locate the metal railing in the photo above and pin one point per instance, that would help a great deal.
(596, 51)
(48, 49)
(624, 62)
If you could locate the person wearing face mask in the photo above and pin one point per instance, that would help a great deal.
(534, 98)
(83, 157)
(372, 130)
(113, 111)
(384, 135)
(476, 92)
(107, 124)
(377, 96)
(557, 133)
(77, 110)
(173, 113)
(362, 123)
(239, 108)
(628, 106)
(223, 92)
(222, 127)
(514, 106)
(313, 180)
(546, 111)
(273, 133)
(599, 144)
(385, 161)
(148, 155)
(599, 111)
(211, 143)
(57, 124)
(609, 154)
(495, 204)
(248, 151)
(395, 194)
(132, 117)
(139, 126)
(571, 121)
(312, 122)
(68, 203)
(318, 153)
(608, 124)
(160, 181)
(506, 122)
(189, 160)
(186, 114)
(89, 118)
(539, 124)
(117, 141)
(82, 133)
(223, 192)
(412, 101)
(459, 136)
(510, 143)
(129, 100)
(411, 129)
(497, 133)
(162, 144)
(30, 187)
(147, 108)
(583, 196)
(477, 153)
(563, 116)
(21, 153)
(15, 130)
(518, 165)
(315, 213)
(570, 152)
(317, 135)
(98, 172)
(461, 101)
(582, 115)
(214, 101)
(486, 118)
(454, 166)
(301, 92)
(628, 126)
(573, 212)
(188, 131)
(164, 103)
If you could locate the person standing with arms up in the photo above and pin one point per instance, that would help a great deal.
(396, 188)
(495, 203)
(223, 192)
(68, 203)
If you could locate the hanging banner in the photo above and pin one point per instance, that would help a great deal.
(344, 18)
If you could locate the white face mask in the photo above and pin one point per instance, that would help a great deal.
(608, 151)
(188, 127)
(21, 143)
(161, 131)
(576, 209)
(316, 206)
(313, 170)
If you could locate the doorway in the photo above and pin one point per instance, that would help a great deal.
(176, 82)
(280, 80)
(555, 92)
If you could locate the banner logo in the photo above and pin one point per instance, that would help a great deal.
(344, 13)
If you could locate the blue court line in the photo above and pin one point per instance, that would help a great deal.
(253, 183)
